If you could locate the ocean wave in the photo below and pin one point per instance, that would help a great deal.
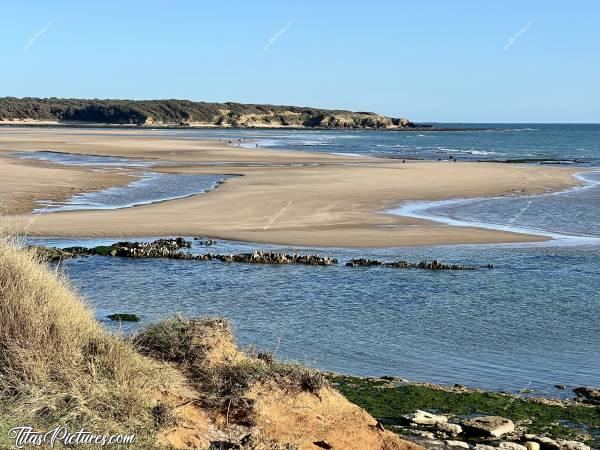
(348, 154)
(483, 152)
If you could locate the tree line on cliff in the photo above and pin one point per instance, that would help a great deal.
(186, 113)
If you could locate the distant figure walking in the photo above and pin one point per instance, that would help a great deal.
(256, 146)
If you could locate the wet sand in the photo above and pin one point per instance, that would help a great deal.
(283, 197)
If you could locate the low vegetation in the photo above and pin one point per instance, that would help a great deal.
(206, 350)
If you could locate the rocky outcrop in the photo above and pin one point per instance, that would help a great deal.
(171, 249)
(433, 265)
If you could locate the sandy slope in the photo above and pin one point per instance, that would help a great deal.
(283, 197)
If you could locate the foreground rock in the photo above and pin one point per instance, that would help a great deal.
(494, 426)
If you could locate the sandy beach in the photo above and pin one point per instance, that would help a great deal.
(282, 197)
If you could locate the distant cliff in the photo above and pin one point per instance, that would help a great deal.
(186, 113)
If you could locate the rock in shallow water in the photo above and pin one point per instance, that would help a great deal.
(588, 394)
(124, 317)
(433, 265)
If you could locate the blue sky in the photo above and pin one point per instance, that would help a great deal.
(429, 61)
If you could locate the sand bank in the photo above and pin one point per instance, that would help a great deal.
(298, 198)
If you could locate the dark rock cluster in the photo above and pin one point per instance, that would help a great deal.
(433, 265)
(161, 248)
(260, 257)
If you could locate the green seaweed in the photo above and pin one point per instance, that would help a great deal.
(389, 403)
(103, 250)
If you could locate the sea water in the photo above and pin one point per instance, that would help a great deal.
(532, 322)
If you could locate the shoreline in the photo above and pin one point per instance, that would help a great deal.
(333, 200)
(418, 210)
(174, 126)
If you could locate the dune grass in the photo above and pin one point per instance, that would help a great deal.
(57, 364)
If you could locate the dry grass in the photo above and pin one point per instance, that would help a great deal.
(57, 364)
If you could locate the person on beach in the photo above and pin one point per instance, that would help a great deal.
(256, 146)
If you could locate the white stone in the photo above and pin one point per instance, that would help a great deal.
(424, 434)
(512, 446)
(424, 418)
(573, 445)
(451, 428)
(494, 426)
(460, 444)
(532, 445)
